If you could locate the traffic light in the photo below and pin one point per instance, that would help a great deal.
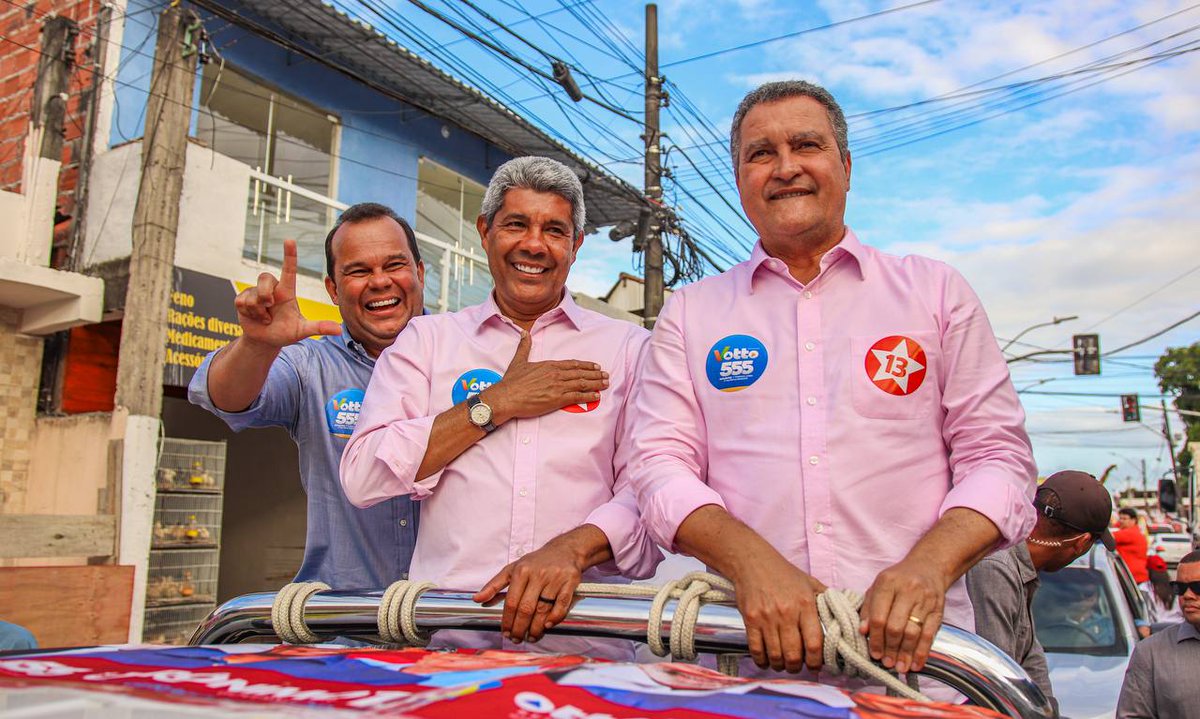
(1130, 412)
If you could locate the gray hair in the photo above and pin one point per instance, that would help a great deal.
(540, 174)
(782, 90)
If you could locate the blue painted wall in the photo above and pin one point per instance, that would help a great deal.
(381, 139)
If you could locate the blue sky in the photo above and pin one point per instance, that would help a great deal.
(1084, 204)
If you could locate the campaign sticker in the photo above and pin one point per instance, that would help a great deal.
(736, 362)
(581, 408)
(341, 412)
(471, 383)
(896, 365)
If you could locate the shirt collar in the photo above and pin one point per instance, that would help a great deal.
(1186, 631)
(848, 246)
(489, 311)
(352, 345)
(1025, 568)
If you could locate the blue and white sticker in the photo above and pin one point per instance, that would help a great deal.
(341, 412)
(736, 362)
(471, 383)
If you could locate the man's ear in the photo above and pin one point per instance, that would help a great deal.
(331, 288)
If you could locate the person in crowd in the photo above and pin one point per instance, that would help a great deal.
(1161, 679)
(309, 378)
(1161, 601)
(825, 414)
(1073, 511)
(1131, 543)
(504, 420)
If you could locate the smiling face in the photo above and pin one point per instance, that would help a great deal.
(791, 176)
(530, 247)
(376, 284)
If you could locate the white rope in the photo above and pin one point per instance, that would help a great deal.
(691, 592)
(287, 612)
(397, 614)
(846, 650)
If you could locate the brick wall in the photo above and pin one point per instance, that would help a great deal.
(20, 46)
(20, 364)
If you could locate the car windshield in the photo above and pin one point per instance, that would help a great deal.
(1073, 613)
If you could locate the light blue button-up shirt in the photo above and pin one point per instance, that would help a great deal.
(314, 391)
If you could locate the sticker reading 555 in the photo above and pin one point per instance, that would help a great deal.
(341, 412)
(736, 362)
(471, 383)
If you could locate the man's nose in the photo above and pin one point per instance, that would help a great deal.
(787, 165)
(379, 279)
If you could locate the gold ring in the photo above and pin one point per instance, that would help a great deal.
(915, 620)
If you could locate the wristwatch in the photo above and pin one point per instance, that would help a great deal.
(480, 413)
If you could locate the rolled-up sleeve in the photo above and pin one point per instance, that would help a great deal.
(384, 453)
(990, 455)
(669, 450)
(635, 555)
(277, 404)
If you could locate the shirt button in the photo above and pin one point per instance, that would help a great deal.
(524, 440)
(809, 346)
(404, 575)
(403, 522)
(811, 400)
(814, 459)
(819, 528)
(523, 492)
(807, 295)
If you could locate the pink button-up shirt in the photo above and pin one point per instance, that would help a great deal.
(838, 419)
(522, 485)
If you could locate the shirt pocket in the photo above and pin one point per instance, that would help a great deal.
(894, 375)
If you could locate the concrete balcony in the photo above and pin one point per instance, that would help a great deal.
(50, 300)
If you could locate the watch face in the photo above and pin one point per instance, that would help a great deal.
(481, 414)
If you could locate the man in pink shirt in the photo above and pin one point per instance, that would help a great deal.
(503, 419)
(827, 415)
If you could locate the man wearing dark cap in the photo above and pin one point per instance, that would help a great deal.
(1073, 511)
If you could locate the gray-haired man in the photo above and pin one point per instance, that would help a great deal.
(504, 419)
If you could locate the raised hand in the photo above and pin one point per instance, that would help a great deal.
(532, 389)
(269, 313)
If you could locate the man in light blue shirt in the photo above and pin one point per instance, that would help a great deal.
(309, 377)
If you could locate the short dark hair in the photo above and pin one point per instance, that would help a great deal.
(1128, 512)
(1192, 556)
(1049, 527)
(362, 212)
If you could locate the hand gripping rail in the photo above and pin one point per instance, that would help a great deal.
(959, 659)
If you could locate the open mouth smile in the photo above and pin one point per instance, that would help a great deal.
(379, 305)
(529, 269)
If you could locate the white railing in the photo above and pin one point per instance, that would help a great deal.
(455, 276)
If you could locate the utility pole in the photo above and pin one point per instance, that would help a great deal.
(44, 145)
(653, 258)
(151, 265)
(1145, 481)
(1170, 443)
(156, 215)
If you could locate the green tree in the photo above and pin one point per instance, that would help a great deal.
(1178, 372)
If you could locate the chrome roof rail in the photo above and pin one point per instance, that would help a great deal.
(959, 659)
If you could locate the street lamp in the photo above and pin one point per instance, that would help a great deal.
(1022, 333)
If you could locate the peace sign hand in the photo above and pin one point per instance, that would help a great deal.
(269, 313)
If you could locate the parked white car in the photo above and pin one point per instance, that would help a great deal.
(1170, 546)
(1086, 618)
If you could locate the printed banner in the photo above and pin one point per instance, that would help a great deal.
(201, 318)
(443, 685)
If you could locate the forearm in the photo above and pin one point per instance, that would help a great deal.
(955, 543)
(237, 374)
(452, 434)
(588, 544)
(713, 536)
